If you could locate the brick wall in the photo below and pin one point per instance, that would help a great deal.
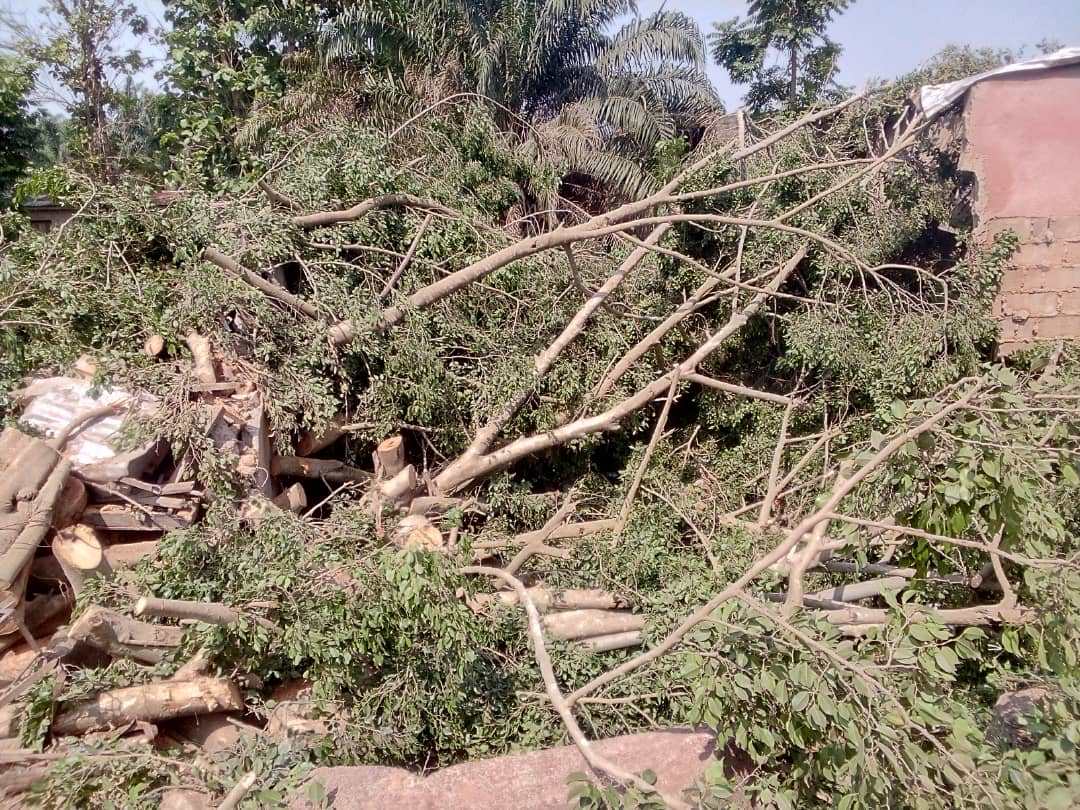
(1020, 135)
(1039, 297)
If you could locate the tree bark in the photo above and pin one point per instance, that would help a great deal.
(128, 555)
(150, 702)
(546, 598)
(122, 637)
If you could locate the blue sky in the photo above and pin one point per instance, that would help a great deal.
(886, 38)
(881, 38)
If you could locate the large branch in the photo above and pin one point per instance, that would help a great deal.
(470, 467)
(270, 290)
(322, 219)
(779, 551)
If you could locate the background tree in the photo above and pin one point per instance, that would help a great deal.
(17, 128)
(792, 29)
(82, 46)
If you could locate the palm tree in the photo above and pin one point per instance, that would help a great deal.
(551, 70)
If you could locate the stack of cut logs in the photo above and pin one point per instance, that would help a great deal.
(68, 516)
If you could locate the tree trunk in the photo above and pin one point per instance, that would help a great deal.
(150, 702)
(793, 80)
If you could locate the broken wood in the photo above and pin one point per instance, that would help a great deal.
(122, 637)
(213, 733)
(81, 556)
(390, 456)
(578, 624)
(149, 702)
(137, 518)
(331, 471)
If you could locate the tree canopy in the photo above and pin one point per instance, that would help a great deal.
(793, 29)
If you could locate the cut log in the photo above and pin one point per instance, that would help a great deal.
(202, 358)
(547, 598)
(416, 532)
(81, 556)
(613, 641)
(71, 503)
(209, 612)
(122, 637)
(293, 499)
(330, 470)
(154, 345)
(569, 531)
(401, 485)
(149, 702)
(18, 552)
(128, 555)
(390, 456)
(579, 624)
(312, 442)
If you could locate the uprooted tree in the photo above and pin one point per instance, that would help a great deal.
(731, 454)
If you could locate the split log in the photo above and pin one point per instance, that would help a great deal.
(202, 358)
(547, 598)
(612, 641)
(149, 702)
(401, 485)
(389, 456)
(21, 550)
(209, 612)
(331, 471)
(128, 555)
(294, 499)
(81, 556)
(122, 637)
(579, 624)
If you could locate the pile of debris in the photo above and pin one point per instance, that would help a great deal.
(73, 507)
